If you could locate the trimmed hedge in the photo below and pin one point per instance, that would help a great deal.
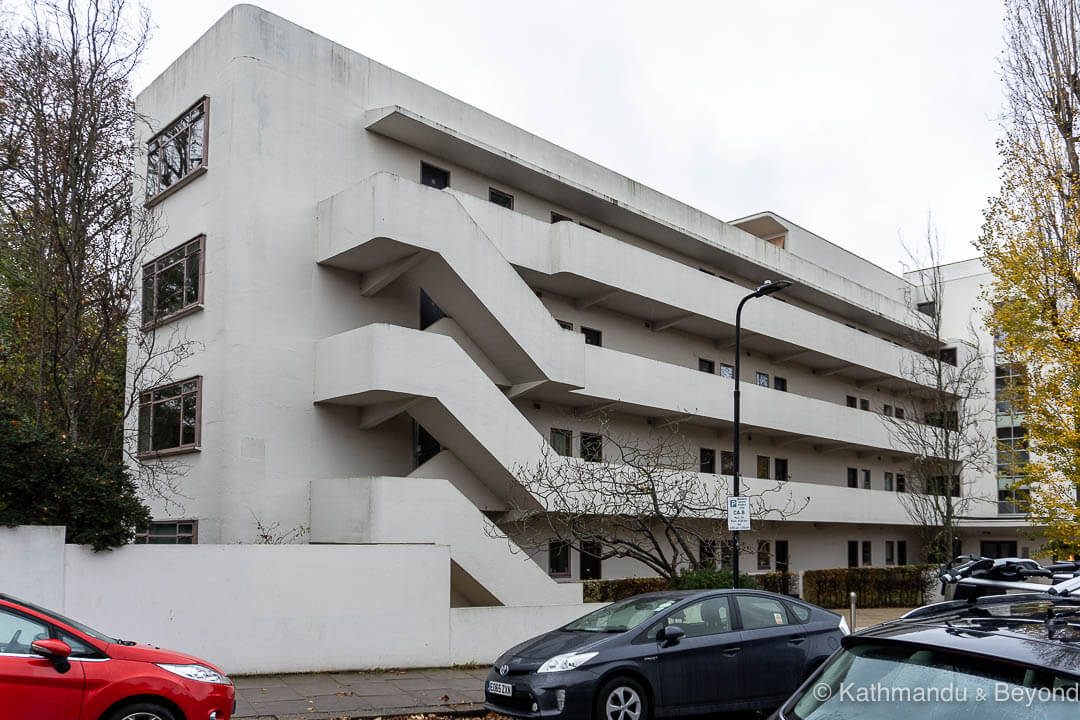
(781, 581)
(894, 586)
(612, 590)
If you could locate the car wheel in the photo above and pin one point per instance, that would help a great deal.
(622, 699)
(142, 711)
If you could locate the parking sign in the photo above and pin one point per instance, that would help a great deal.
(738, 513)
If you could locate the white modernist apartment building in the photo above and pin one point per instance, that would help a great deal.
(398, 299)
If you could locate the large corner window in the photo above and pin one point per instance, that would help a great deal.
(171, 532)
(177, 154)
(169, 418)
(172, 284)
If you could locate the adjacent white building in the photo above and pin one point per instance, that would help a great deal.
(400, 299)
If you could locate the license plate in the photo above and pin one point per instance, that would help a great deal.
(498, 688)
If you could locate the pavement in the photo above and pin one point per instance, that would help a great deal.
(390, 693)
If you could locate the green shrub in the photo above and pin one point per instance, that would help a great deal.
(893, 586)
(612, 590)
(45, 480)
(781, 581)
(708, 578)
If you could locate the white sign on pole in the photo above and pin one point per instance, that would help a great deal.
(738, 513)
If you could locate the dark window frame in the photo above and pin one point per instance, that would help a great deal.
(779, 383)
(500, 198)
(591, 332)
(591, 446)
(727, 371)
(565, 324)
(151, 270)
(146, 399)
(563, 550)
(181, 123)
(867, 553)
(764, 555)
(589, 560)
(781, 469)
(761, 379)
(143, 537)
(706, 365)
(707, 461)
(851, 401)
(563, 433)
(853, 477)
(426, 165)
(559, 217)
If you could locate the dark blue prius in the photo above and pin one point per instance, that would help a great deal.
(670, 653)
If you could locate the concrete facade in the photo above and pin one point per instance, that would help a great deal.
(317, 369)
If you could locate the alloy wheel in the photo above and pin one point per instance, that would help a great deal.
(623, 703)
(142, 715)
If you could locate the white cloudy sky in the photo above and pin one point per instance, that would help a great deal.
(856, 119)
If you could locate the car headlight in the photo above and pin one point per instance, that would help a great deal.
(200, 673)
(569, 661)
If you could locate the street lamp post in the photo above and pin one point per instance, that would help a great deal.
(766, 288)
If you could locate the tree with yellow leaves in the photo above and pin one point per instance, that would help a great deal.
(1031, 243)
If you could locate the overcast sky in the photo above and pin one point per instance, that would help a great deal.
(856, 119)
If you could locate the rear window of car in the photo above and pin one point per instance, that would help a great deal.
(61, 619)
(892, 681)
(801, 612)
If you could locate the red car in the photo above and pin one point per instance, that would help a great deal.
(53, 668)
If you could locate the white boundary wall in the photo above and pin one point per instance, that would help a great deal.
(271, 608)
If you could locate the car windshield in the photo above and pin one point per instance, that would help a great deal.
(896, 682)
(623, 615)
(65, 620)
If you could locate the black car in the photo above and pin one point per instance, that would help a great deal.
(992, 657)
(667, 653)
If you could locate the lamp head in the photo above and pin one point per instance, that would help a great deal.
(769, 287)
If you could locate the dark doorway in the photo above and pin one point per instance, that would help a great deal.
(781, 556)
(426, 446)
(997, 548)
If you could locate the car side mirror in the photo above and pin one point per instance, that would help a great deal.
(670, 635)
(55, 650)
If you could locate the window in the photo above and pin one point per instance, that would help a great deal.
(763, 462)
(762, 379)
(948, 419)
(866, 479)
(887, 410)
(710, 616)
(706, 366)
(592, 447)
(708, 460)
(901, 485)
(864, 404)
(1012, 450)
(781, 556)
(589, 567)
(178, 532)
(707, 552)
(899, 413)
(18, 632)
(559, 559)
(927, 308)
(888, 481)
(177, 154)
(764, 555)
(727, 462)
(727, 371)
(867, 552)
(556, 217)
(562, 442)
(592, 337)
(169, 417)
(852, 477)
(726, 558)
(945, 355)
(853, 553)
(852, 401)
(172, 283)
(759, 612)
(901, 552)
(434, 177)
(780, 384)
(943, 486)
(565, 325)
(780, 465)
(500, 198)
(890, 552)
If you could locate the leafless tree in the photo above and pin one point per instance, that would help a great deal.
(943, 433)
(71, 239)
(644, 500)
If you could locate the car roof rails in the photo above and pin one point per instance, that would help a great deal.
(1016, 574)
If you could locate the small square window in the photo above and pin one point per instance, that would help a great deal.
(434, 177)
(592, 447)
(565, 325)
(852, 401)
(887, 410)
(559, 559)
(169, 418)
(864, 404)
(592, 337)
(706, 366)
(172, 285)
(708, 460)
(780, 384)
(898, 412)
(927, 308)
(562, 442)
(177, 154)
(727, 371)
(498, 197)
(762, 379)
(558, 217)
